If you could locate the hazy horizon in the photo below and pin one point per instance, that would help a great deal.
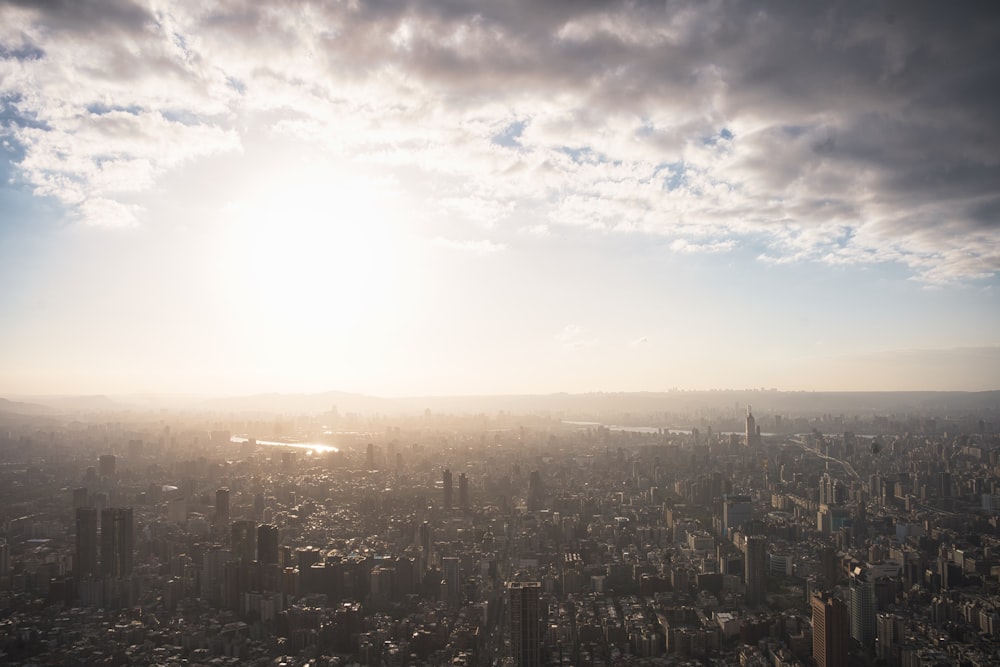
(492, 198)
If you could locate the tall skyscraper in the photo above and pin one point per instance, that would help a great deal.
(446, 476)
(85, 565)
(862, 600)
(425, 544)
(535, 491)
(267, 543)
(888, 636)
(737, 511)
(244, 541)
(463, 492)
(117, 541)
(222, 509)
(258, 506)
(752, 431)
(755, 568)
(830, 631)
(107, 465)
(452, 577)
(525, 633)
(4, 557)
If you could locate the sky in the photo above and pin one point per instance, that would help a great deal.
(498, 196)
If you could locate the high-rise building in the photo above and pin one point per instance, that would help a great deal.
(117, 541)
(525, 634)
(267, 543)
(425, 544)
(888, 631)
(85, 564)
(463, 492)
(244, 541)
(107, 464)
(862, 600)
(752, 430)
(446, 477)
(830, 631)
(258, 506)
(755, 568)
(222, 509)
(213, 574)
(535, 491)
(451, 575)
(4, 557)
(831, 491)
(737, 512)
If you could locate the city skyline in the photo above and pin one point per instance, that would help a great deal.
(497, 198)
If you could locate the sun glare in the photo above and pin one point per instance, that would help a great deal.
(317, 250)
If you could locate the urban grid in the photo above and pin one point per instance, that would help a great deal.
(746, 538)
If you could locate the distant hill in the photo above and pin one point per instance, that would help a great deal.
(344, 402)
(19, 408)
(71, 404)
(598, 404)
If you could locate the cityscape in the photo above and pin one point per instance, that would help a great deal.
(499, 333)
(739, 535)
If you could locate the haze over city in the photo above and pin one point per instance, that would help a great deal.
(499, 333)
(435, 198)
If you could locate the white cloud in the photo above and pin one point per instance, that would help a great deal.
(679, 122)
(688, 248)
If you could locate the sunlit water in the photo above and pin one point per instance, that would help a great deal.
(312, 446)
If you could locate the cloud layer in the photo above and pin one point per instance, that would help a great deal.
(848, 133)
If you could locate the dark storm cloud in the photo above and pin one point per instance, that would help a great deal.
(89, 15)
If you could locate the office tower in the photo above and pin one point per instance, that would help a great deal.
(752, 430)
(213, 575)
(535, 491)
(446, 476)
(862, 601)
(306, 557)
(825, 489)
(81, 497)
(451, 574)
(425, 544)
(463, 492)
(370, 456)
(267, 543)
(831, 491)
(755, 568)
(888, 636)
(944, 484)
(258, 506)
(244, 541)
(737, 511)
(85, 564)
(117, 541)
(222, 509)
(525, 636)
(106, 464)
(4, 557)
(830, 631)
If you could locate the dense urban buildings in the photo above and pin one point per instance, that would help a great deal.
(671, 538)
(525, 620)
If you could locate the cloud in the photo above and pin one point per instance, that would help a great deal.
(573, 337)
(845, 134)
(688, 247)
(481, 247)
